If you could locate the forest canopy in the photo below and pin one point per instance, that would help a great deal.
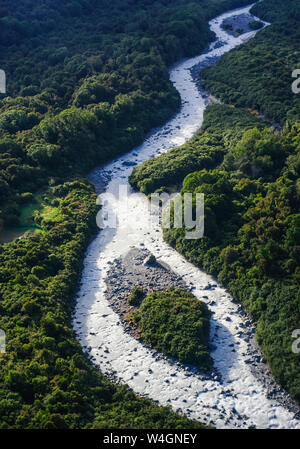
(176, 323)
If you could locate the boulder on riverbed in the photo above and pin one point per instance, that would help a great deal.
(150, 260)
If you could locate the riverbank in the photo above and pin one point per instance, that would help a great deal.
(131, 270)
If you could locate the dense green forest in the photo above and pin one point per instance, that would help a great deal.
(85, 80)
(258, 74)
(222, 126)
(252, 197)
(176, 323)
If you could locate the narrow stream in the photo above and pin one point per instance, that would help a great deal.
(236, 398)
